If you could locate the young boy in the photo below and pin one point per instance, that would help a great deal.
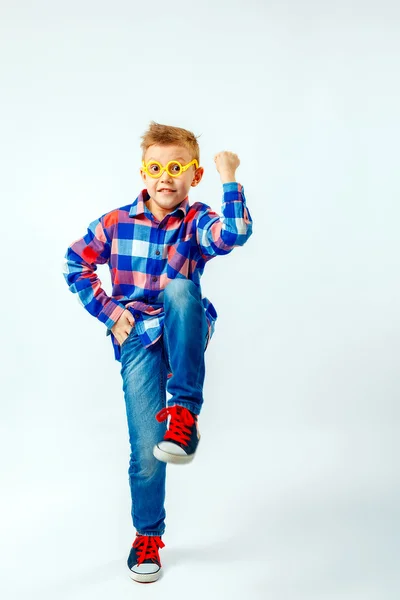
(160, 326)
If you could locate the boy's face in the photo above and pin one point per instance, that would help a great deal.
(162, 203)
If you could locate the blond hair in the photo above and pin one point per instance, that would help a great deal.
(165, 135)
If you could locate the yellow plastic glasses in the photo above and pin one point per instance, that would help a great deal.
(173, 168)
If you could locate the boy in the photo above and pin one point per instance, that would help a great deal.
(160, 326)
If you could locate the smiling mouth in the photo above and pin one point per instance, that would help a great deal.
(166, 190)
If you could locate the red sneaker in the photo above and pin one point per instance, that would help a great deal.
(144, 561)
(182, 437)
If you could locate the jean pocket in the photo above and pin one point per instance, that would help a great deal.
(128, 336)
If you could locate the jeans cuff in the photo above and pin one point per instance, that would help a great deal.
(152, 533)
(194, 408)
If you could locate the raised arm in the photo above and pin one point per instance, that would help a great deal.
(217, 235)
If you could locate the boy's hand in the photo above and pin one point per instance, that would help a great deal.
(227, 163)
(122, 328)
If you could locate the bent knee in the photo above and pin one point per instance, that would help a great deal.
(177, 288)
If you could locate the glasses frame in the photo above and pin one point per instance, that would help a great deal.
(162, 169)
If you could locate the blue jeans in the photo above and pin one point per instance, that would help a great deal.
(144, 372)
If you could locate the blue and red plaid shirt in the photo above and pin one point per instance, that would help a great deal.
(144, 254)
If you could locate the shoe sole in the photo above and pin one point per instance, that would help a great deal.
(144, 577)
(172, 458)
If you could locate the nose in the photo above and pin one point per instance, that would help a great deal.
(165, 177)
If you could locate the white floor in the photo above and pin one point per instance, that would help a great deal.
(286, 513)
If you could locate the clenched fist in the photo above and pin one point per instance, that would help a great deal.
(226, 163)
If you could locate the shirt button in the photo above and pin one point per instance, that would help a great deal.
(137, 315)
(154, 278)
(157, 252)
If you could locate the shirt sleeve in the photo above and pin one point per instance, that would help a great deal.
(79, 270)
(217, 235)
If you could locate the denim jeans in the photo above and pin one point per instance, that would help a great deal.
(144, 372)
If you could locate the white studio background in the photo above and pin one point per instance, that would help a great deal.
(294, 493)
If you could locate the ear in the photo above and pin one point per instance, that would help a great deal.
(197, 177)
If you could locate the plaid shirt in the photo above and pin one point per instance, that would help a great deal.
(144, 255)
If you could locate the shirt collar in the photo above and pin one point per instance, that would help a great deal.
(139, 205)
